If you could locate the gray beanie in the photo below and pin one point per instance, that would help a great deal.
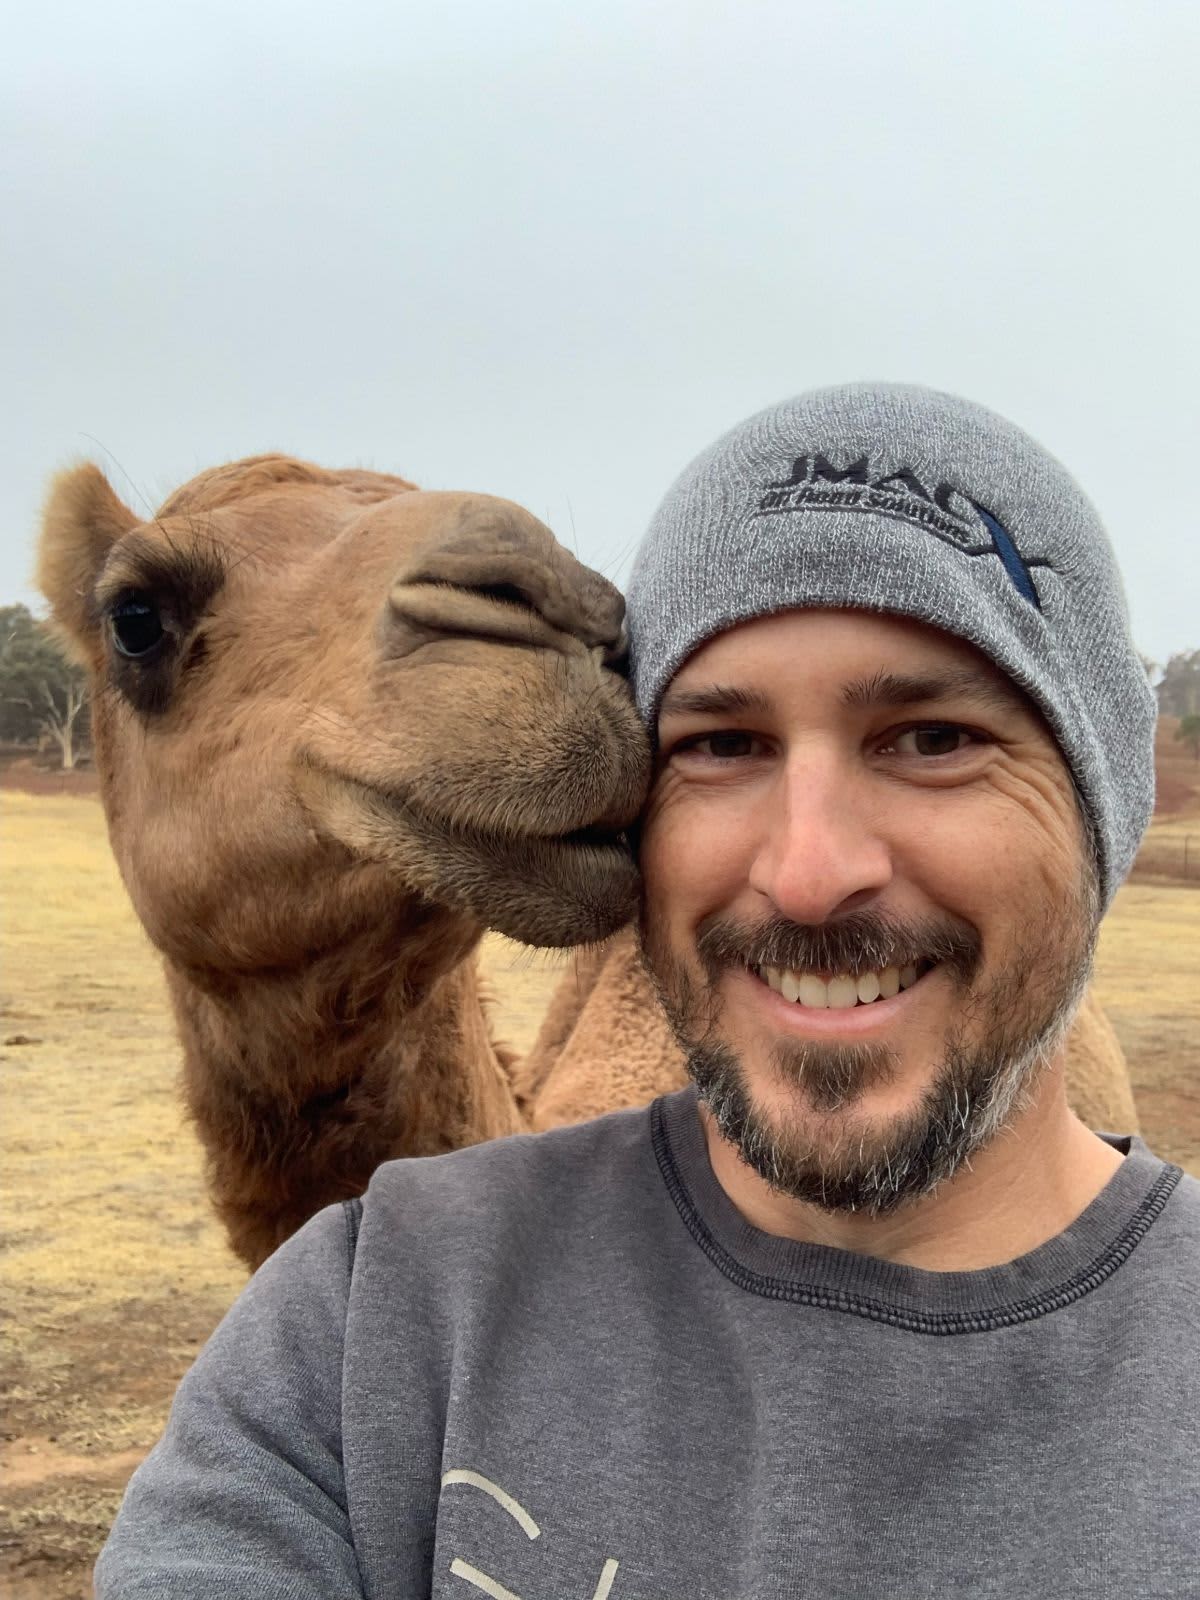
(884, 497)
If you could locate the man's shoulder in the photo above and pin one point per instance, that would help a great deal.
(1185, 1204)
(1171, 1180)
(1162, 1234)
(614, 1134)
(518, 1179)
(540, 1216)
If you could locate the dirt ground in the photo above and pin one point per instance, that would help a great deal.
(113, 1272)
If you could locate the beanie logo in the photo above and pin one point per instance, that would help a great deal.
(946, 512)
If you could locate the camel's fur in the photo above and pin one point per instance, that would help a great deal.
(378, 721)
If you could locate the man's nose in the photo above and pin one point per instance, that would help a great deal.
(823, 849)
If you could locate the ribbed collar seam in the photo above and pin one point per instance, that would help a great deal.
(1074, 1288)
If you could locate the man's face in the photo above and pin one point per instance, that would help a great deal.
(867, 903)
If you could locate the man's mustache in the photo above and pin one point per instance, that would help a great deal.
(861, 941)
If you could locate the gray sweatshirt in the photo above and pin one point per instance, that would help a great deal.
(564, 1367)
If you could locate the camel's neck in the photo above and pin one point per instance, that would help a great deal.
(302, 1081)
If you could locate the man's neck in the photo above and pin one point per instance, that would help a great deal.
(1022, 1189)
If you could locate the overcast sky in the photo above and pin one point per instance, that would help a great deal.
(549, 250)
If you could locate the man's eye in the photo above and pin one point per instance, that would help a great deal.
(728, 746)
(932, 739)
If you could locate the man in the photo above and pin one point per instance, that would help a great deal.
(874, 1315)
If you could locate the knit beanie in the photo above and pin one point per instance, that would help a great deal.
(890, 498)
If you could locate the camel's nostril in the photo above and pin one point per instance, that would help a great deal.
(430, 611)
(520, 573)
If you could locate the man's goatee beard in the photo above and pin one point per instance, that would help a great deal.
(1003, 1033)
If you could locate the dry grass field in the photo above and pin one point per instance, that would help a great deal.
(114, 1273)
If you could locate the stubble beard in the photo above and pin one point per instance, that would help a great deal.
(1006, 1028)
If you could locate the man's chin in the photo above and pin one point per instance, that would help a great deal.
(812, 1134)
(832, 1123)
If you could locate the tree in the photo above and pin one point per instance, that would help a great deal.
(1189, 732)
(42, 692)
(1179, 689)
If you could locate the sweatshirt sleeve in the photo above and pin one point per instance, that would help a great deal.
(245, 1494)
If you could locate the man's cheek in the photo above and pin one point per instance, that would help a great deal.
(1036, 795)
(667, 856)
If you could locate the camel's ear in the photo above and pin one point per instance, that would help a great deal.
(81, 522)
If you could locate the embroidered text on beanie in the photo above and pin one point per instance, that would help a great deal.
(890, 498)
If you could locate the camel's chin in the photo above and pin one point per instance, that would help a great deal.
(558, 894)
(554, 892)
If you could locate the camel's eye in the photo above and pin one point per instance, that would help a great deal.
(136, 625)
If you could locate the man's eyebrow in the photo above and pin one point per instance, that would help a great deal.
(905, 689)
(716, 700)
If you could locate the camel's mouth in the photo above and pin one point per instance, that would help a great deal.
(596, 838)
(495, 842)
(552, 890)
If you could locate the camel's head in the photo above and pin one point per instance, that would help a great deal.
(318, 694)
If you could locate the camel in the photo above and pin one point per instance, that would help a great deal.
(342, 727)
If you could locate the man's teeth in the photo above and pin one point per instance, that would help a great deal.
(841, 992)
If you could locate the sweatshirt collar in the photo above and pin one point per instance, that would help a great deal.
(1054, 1275)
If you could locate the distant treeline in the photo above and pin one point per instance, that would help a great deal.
(1178, 689)
(43, 694)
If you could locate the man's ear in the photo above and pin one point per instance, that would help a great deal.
(81, 522)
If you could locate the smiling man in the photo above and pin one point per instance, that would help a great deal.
(865, 994)
(865, 1310)
(905, 757)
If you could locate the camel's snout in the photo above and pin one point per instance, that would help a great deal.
(507, 580)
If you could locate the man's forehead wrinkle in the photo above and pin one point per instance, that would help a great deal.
(882, 688)
(714, 699)
(886, 688)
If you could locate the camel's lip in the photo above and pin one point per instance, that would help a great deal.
(590, 837)
(556, 891)
(492, 841)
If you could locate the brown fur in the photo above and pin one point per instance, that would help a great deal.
(81, 521)
(378, 721)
